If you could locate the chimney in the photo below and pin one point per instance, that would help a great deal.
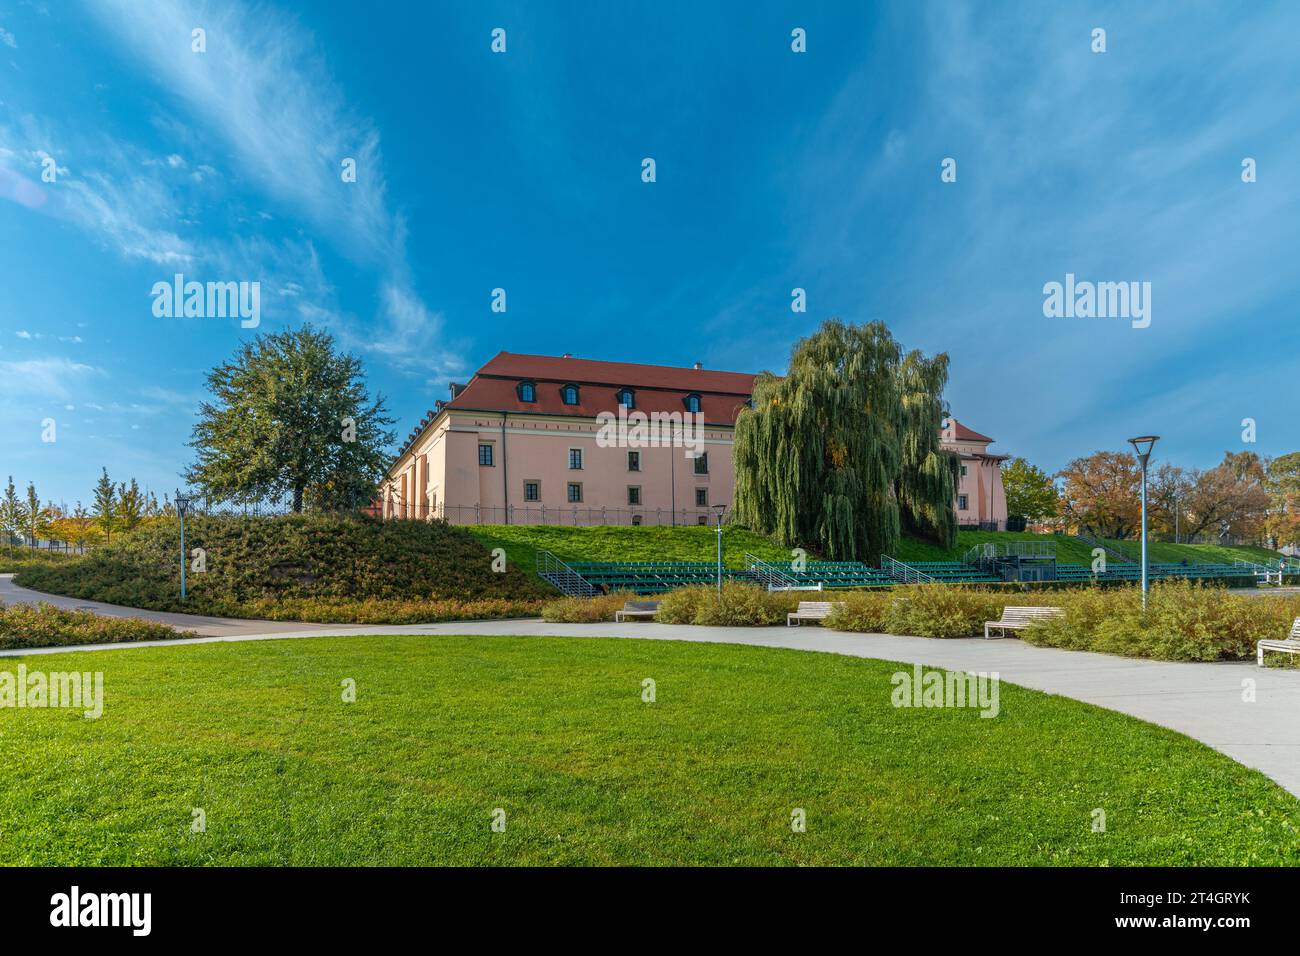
(698, 365)
(456, 389)
(567, 355)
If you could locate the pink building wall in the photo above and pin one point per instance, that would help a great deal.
(439, 473)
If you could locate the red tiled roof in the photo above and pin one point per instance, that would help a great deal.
(656, 388)
(961, 433)
(551, 368)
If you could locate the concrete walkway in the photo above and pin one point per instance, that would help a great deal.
(1203, 701)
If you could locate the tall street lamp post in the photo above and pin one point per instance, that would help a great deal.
(182, 506)
(1143, 445)
(719, 510)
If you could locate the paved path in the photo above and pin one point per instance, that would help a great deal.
(1203, 701)
(11, 593)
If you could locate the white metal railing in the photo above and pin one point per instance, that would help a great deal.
(775, 576)
(570, 582)
(904, 572)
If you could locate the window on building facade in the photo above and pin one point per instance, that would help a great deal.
(701, 497)
(636, 520)
(692, 402)
(634, 461)
(527, 392)
(961, 502)
(575, 459)
(569, 394)
(575, 492)
(626, 398)
(703, 519)
(485, 455)
(532, 491)
(702, 463)
(963, 471)
(633, 494)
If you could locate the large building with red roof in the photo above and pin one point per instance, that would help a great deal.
(538, 439)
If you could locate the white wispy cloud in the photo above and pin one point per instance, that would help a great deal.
(8, 39)
(263, 90)
(51, 378)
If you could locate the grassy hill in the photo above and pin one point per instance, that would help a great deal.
(691, 543)
(606, 543)
(1174, 553)
(293, 560)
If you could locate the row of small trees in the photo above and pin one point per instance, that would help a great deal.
(114, 509)
(1244, 497)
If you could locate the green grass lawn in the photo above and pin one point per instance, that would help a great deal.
(554, 731)
(608, 543)
(1167, 551)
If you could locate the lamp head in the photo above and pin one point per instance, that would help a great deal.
(1143, 445)
(182, 502)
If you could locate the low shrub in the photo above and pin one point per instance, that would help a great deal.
(14, 558)
(862, 611)
(738, 605)
(387, 610)
(576, 610)
(937, 610)
(1184, 621)
(43, 625)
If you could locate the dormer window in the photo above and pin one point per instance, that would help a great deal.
(626, 398)
(569, 394)
(693, 402)
(527, 391)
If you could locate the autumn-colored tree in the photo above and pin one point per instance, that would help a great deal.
(1168, 490)
(1229, 499)
(1102, 493)
(1283, 486)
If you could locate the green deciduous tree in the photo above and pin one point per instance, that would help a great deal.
(36, 516)
(1029, 490)
(290, 416)
(928, 476)
(843, 450)
(131, 505)
(12, 519)
(104, 507)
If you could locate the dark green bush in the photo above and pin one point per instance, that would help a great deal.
(308, 557)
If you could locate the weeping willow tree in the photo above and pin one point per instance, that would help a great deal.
(927, 481)
(842, 452)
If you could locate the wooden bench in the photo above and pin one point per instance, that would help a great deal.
(1017, 618)
(1290, 646)
(633, 609)
(811, 611)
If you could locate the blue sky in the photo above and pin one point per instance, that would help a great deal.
(775, 170)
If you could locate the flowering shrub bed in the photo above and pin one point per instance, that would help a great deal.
(43, 625)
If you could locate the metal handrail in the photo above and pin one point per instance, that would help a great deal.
(570, 582)
(775, 577)
(904, 572)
